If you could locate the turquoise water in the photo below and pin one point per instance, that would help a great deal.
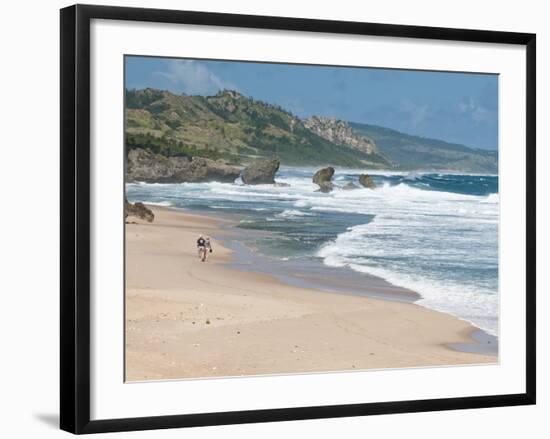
(433, 233)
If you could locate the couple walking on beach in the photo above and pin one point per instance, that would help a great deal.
(204, 247)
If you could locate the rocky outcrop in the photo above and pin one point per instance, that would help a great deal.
(339, 132)
(138, 210)
(366, 181)
(261, 171)
(143, 165)
(204, 170)
(323, 178)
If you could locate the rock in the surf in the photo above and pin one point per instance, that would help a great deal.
(323, 178)
(367, 181)
(261, 171)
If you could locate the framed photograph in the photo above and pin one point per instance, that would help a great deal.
(268, 219)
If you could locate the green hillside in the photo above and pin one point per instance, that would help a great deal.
(232, 127)
(238, 129)
(408, 152)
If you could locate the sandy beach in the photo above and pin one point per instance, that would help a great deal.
(191, 319)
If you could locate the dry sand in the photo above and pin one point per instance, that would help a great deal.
(190, 319)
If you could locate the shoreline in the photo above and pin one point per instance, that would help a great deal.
(312, 275)
(378, 287)
(187, 319)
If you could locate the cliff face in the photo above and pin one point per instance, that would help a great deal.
(339, 132)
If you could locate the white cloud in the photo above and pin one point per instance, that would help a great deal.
(477, 112)
(193, 78)
(416, 114)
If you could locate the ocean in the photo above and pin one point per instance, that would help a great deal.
(433, 233)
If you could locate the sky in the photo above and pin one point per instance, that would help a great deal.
(455, 107)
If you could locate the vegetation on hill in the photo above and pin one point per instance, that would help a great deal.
(229, 126)
(409, 152)
(238, 129)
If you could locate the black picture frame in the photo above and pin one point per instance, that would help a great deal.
(75, 218)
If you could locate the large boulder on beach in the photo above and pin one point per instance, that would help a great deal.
(139, 210)
(261, 171)
(366, 181)
(144, 165)
(323, 178)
